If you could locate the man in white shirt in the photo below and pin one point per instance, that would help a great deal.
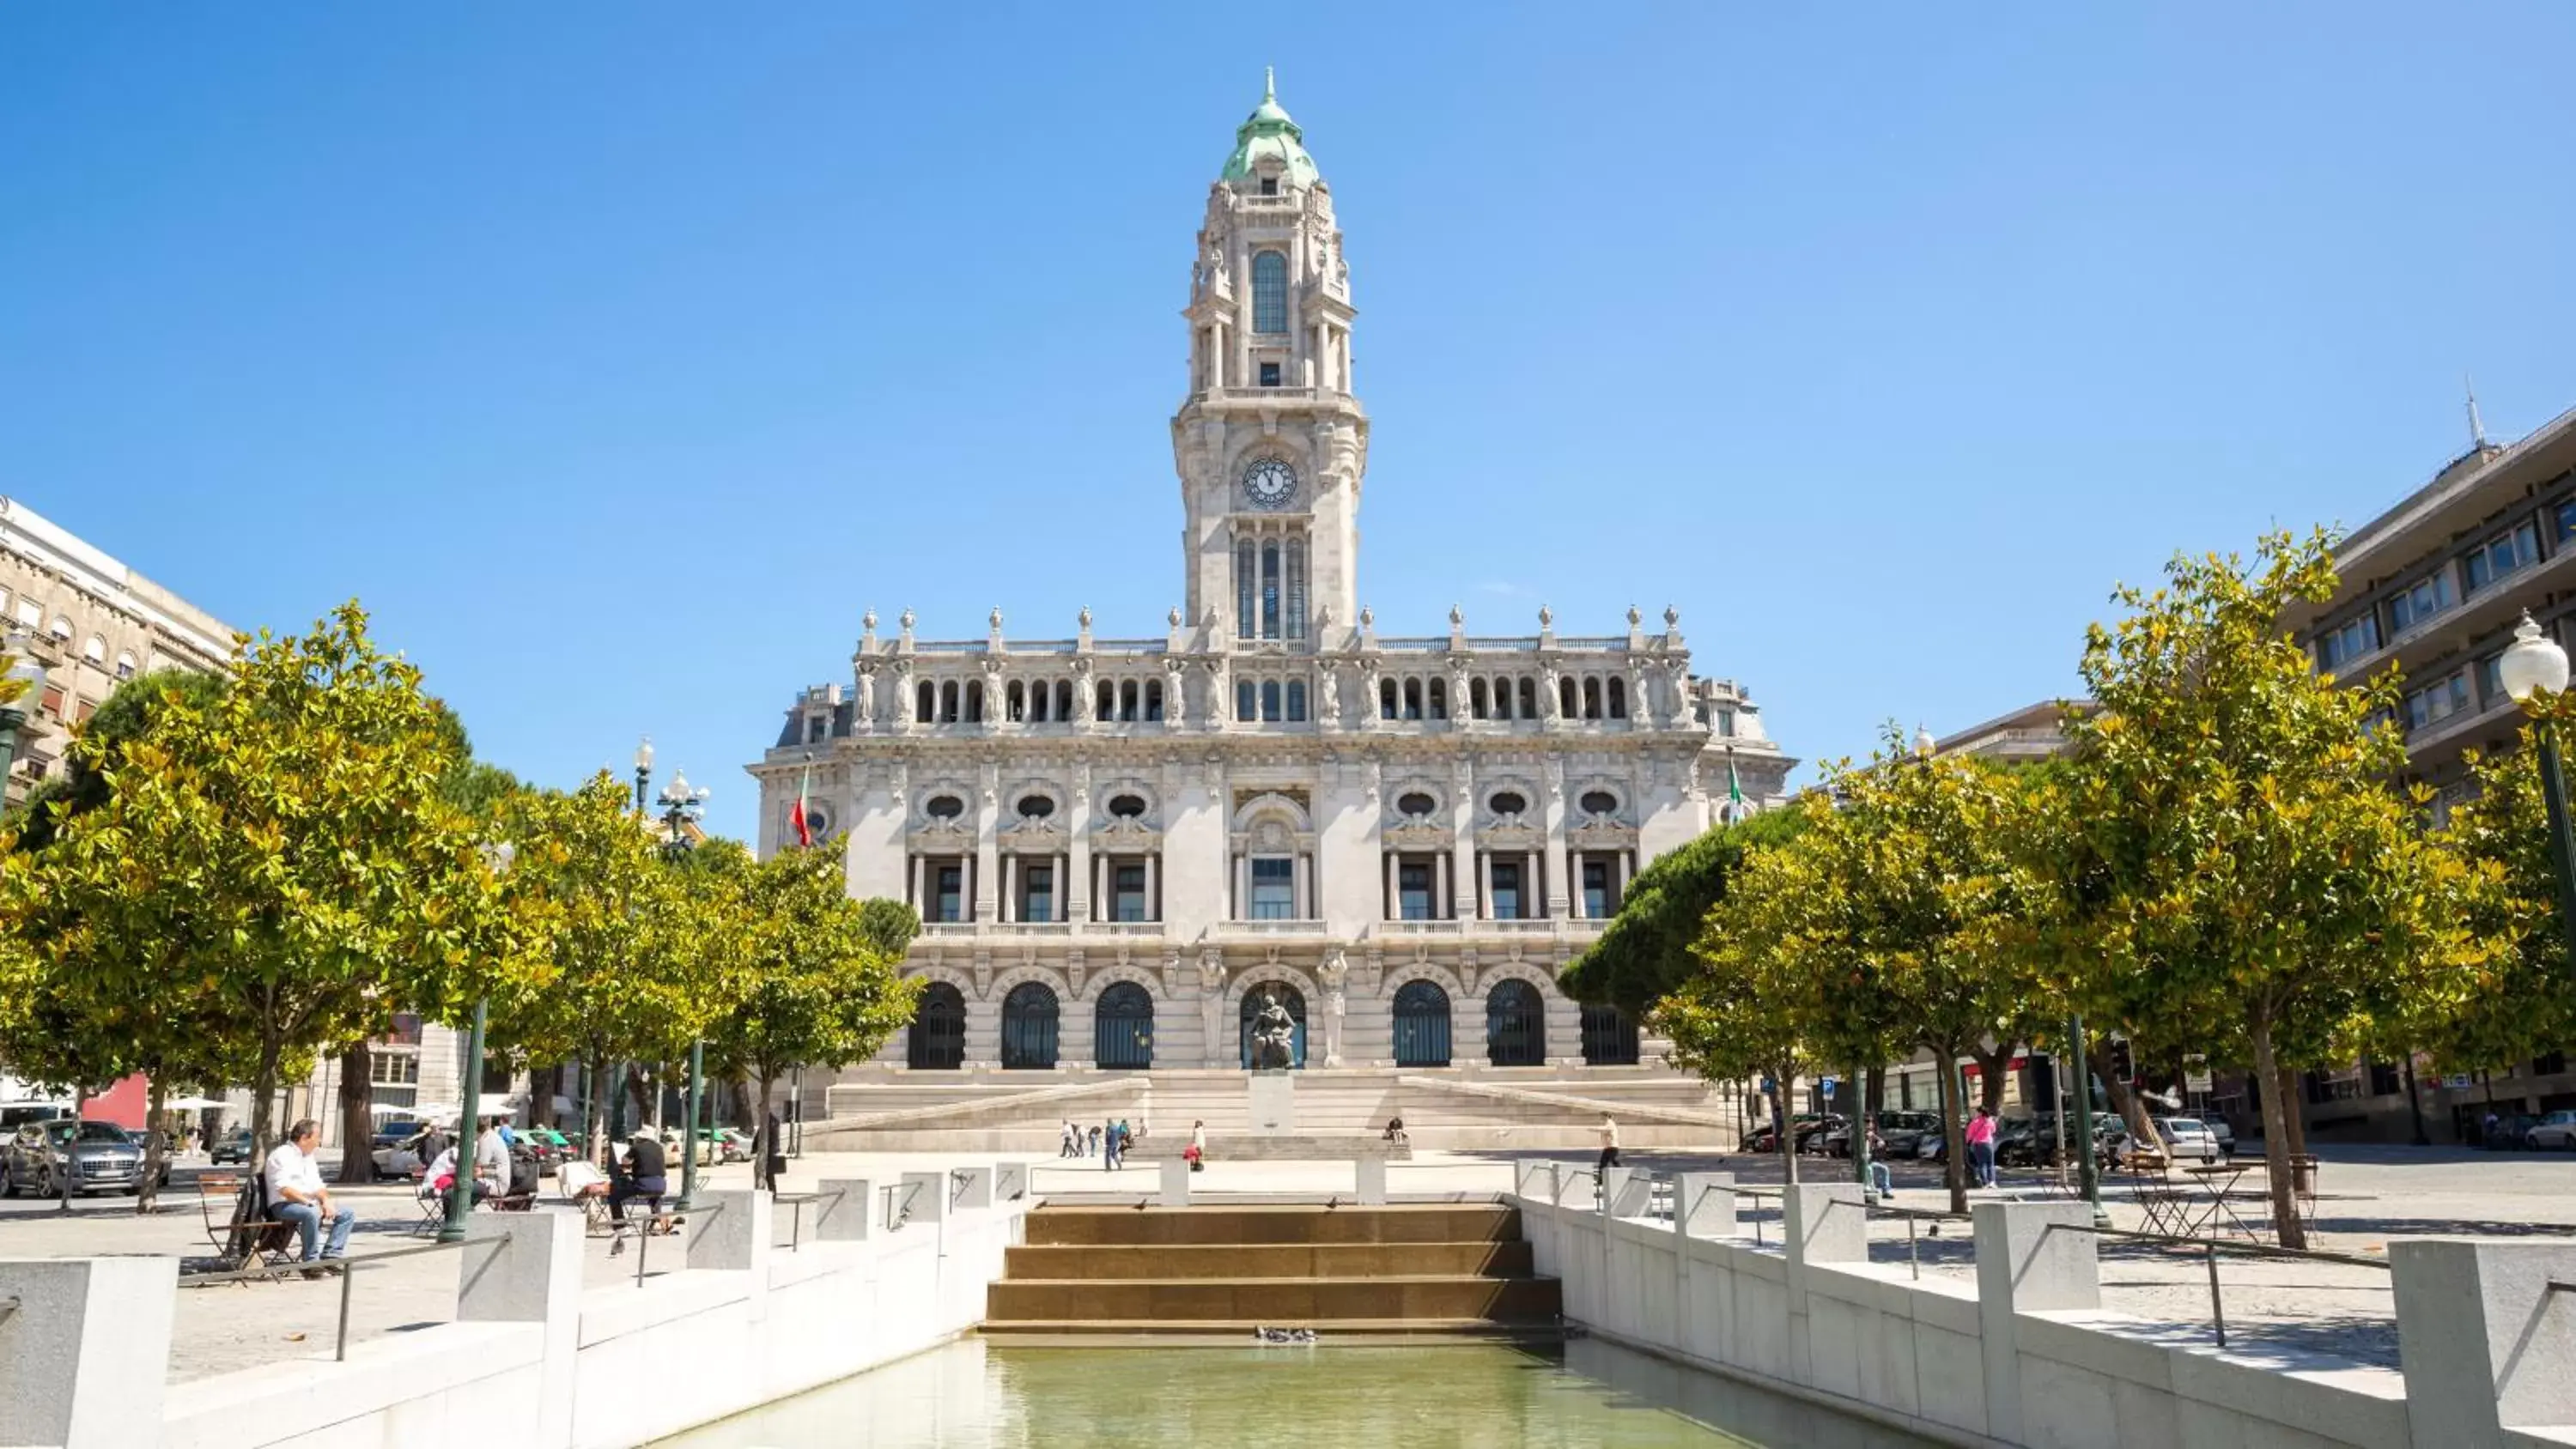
(491, 1161)
(296, 1195)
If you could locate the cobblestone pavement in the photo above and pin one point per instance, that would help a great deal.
(2367, 1196)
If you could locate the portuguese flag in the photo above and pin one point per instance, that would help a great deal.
(804, 786)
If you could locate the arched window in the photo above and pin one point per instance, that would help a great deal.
(95, 651)
(62, 626)
(1015, 701)
(1296, 589)
(1108, 704)
(1296, 701)
(1566, 706)
(1270, 591)
(1413, 699)
(1591, 697)
(938, 1038)
(974, 701)
(125, 664)
(1270, 701)
(1122, 1028)
(1247, 587)
(1028, 1027)
(1246, 700)
(1153, 699)
(1618, 698)
(1439, 699)
(1529, 698)
(1386, 699)
(1515, 1025)
(1064, 699)
(1475, 699)
(948, 702)
(1421, 1025)
(1609, 1037)
(1269, 291)
(1127, 700)
(1289, 997)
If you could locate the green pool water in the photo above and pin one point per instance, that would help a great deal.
(1583, 1395)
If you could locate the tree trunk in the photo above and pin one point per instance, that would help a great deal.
(1954, 1136)
(2415, 1105)
(1991, 1066)
(156, 1149)
(762, 1147)
(2294, 1107)
(2133, 1113)
(1875, 1095)
(1786, 1141)
(595, 1124)
(2276, 1142)
(357, 1121)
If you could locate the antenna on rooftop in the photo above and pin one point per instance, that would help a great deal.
(2477, 425)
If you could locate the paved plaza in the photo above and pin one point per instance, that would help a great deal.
(2367, 1196)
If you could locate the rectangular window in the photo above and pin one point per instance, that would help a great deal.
(393, 1068)
(1726, 723)
(948, 884)
(2429, 596)
(1270, 591)
(1127, 891)
(1274, 888)
(1296, 589)
(1506, 903)
(30, 613)
(1413, 891)
(2509, 552)
(2438, 701)
(1270, 302)
(1596, 889)
(2565, 516)
(405, 1031)
(1296, 701)
(1246, 697)
(1270, 374)
(1270, 701)
(2490, 683)
(1037, 892)
(1244, 589)
(2348, 641)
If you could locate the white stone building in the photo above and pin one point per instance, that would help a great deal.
(1116, 841)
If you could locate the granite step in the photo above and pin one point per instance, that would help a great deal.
(1259, 1261)
(1282, 1223)
(1287, 1302)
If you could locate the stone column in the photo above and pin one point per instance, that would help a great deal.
(1075, 890)
(1010, 888)
(2031, 1257)
(1554, 807)
(1440, 888)
(1153, 888)
(2486, 1333)
(1305, 904)
(1574, 885)
(1532, 886)
(920, 885)
(1242, 887)
(1394, 892)
(1485, 874)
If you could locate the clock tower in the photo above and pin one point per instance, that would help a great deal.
(1270, 442)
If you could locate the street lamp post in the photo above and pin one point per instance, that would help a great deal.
(460, 1198)
(2088, 1172)
(2534, 665)
(680, 805)
(30, 676)
(643, 770)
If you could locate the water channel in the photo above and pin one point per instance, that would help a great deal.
(975, 1394)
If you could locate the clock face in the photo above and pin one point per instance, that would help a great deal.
(1269, 483)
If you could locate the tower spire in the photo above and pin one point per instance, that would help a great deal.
(1270, 84)
(2477, 425)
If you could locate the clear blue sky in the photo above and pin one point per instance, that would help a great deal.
(618, 355)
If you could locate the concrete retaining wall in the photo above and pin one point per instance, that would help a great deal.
(534, 1359)
(2026, 1356)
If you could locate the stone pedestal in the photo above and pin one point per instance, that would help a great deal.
(1274, 1104)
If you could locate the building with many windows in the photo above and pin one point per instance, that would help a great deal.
(92, 623)
(1120, 843)
(2434, 587)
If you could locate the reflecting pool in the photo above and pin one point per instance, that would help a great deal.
(975, 1394)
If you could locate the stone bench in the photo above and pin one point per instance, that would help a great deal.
(1276, 1147)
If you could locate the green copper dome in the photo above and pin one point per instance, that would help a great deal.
(1268, 132)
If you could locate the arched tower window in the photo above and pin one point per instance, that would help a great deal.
(1270, 591)
(1247, 587)
(1386, 699)
(1107, 708)
(1064, 699)
(1475, 699)
(1296, 588)
(928, 703)
(1269, 292)
(1566, 705)
(1618, 692)
(938, 1041)
(974, 701)
(1529, 698)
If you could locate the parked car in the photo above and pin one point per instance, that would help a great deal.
(553, 1148)
(2223, 1130)
(64, 1157)
(2512, 1133)
(234, 1147)
(1766, 1139)
(15, 1115)
(2553, 1133)
(1899, 1133)
(2188, 1137)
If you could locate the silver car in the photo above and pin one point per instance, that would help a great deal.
(2553, 1133)
(2188, 1137)
(64, 1158)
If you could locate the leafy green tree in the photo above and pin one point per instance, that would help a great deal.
(823, 989)
(2250, 869)
(125, 714)
(645, 953)
(1645, 953)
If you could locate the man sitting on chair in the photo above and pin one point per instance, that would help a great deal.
(296, 1195)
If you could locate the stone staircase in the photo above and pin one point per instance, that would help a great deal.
(1490, 1109)
(1409, 1268)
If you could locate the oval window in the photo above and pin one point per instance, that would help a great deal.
(944, 807)
(1507, 802)
(1600, 802)
(1415, 803)
(1126, 807)
(1036, 807)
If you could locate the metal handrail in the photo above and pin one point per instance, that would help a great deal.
(796, 1223)
(2210, 1248)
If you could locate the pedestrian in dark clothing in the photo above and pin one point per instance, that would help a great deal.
(644, 1173)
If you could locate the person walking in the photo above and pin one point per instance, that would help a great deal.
(1071, 1143)
(1109, 1147)
(1197, 1153)
(1093, 1150)
(1981, 1146)
(1609, 1145)
(1880, 1178)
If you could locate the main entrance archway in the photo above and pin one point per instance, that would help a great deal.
(1515, 1025)
(1122, 1027)
(1421, 1025)
(1029, 1027)
(937, 1042)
